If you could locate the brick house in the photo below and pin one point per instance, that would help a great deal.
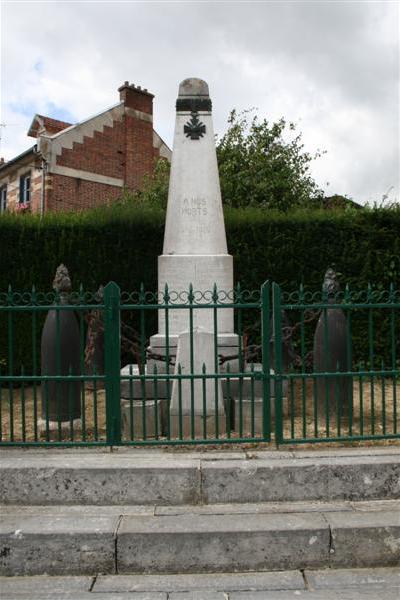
(72, 167)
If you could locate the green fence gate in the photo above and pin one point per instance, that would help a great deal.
(262, 384)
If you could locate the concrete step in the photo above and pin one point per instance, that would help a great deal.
(73, 540)
(127, 477)
(328, 584)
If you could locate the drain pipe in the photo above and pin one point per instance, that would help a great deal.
(42, 194)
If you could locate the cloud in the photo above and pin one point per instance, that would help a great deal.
(331, 66)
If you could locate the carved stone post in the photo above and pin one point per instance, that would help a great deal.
(60, 355)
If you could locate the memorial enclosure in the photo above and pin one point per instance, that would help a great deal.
(304, 349)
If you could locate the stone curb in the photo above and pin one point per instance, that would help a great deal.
(106, 479)
(326, 584)
(85, 544)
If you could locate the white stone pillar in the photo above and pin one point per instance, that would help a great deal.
(195, 249)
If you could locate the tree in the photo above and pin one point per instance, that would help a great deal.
(258, 167)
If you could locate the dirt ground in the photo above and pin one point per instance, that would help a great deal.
(374, 413)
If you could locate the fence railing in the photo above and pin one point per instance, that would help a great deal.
(246, 366)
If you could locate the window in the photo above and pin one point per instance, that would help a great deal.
(25, 188)
(3, 198)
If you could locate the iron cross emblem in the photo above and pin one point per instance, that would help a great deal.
(194, 128)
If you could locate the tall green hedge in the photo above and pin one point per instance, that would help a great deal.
(121, 243)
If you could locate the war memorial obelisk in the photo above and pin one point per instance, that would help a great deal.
(195, 249)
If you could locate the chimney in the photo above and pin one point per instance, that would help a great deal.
(135, 97)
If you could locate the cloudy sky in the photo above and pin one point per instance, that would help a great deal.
(330, 66)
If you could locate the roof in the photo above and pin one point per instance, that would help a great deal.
(50, 125)
(10, 162)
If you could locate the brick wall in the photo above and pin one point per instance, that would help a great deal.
(139, 151)
(104, 153)
(69, 193)
(116, 144)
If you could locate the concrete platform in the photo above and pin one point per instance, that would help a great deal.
(64, 540)
(327, 584)
(131, 476)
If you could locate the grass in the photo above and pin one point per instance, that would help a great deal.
(374, 413)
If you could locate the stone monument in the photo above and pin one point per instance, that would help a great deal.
(194, 253)
(195, 249)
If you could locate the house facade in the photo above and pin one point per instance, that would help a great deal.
(73, 167)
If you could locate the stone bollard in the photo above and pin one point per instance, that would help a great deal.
(330, 355)
(60, 355)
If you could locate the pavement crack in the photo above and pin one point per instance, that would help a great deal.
(331, 542)
(306, 583)
(92, 583)
(116, 543)
(200, 498)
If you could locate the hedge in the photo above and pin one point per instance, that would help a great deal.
(121, 243)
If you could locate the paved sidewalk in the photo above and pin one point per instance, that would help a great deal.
(327, 584)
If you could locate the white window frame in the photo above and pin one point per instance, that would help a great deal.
(3, 198)
(24, 189)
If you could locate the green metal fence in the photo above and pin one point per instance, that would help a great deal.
(258, 381)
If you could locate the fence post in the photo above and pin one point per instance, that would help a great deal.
(112, 342)
(277, 335)
(265, 340)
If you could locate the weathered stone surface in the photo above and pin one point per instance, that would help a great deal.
(166, 478)
(195, 403)
(142, 419)
(99, 479)
(197, 595)
(66, 544)
(44, 587)
(344, 594)
(249, 509)
(221, 543)
(277, 580)
(384, 577)
(363, 539)
(344, 478)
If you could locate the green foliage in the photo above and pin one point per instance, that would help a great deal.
(121, 243)
(154, 192)
(259, 167)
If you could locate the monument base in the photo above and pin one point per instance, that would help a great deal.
(54, 425)
(181, 426)
(228, 345)
(251, 413)
(142, 420)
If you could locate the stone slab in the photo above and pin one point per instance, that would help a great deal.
(378, 505)
(91, 511)
(138, 477)
(182, 429)
(344, 594)
(68, 544)
(197, 396)
(385, 577)
(132, 413)
(199, 543)
(44, 586)
(248, 509)
(196, 595)
(275, 580)
(104, 479)
(361, 539)
(328, 478)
